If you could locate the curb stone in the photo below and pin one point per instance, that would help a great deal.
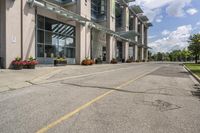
(194, 75)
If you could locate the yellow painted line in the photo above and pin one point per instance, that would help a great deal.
(67, 116)
(73, 112)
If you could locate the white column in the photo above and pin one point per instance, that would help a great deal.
(110, 40)
(126, 28)
(147, 55)
(135, 22)
(142, 53)
(125, 50)
(110, 48)
(142, 33)
(83, 38)
(136, 52)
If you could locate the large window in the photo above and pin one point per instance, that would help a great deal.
(98, 10)
(55, 39)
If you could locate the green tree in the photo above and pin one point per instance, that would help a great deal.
(159, 56)
(185, 54)
(194, 46)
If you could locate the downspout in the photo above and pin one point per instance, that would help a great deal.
(22, 29)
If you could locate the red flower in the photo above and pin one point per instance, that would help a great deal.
(17, 62)
(33, 62)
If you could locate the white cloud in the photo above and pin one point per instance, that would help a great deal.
(159, 19)
(152, 37)
(174, 40)
(198, 23)
(153, 8)
(165, 32)
(176, 8)
(192, 11)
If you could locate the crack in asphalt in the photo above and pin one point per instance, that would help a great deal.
(120, 90)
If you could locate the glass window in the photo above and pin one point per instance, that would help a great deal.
(40, 36)
(69, 52)
(40, 50)
(40, 22)
(51, 38)
(60, 51)
(61, 41)
(69, 31)
(70, 41)
(51, 25)
(55, 39)
(50, 51)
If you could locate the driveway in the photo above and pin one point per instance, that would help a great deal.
(124, 98)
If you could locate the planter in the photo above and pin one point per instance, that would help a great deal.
(98, 61)
(113, 61)
(17, 67)
(60, 63)
(129, 61)
(87, 62)
(31, 66)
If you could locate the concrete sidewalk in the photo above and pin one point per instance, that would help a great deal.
(15, 79)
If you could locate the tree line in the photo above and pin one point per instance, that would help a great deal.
(191, 53)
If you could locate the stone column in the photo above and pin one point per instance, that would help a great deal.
(141, 41)
(142, 33)
(136, 52)
(145, 36)
(110, 40)
(135, 27)
(147, 55)
(142, 53)
(126, 28)
(83, 34)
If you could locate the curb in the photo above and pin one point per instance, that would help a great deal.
(194, 75)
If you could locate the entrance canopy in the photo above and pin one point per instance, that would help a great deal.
(136, 9)
(75, 17)
(129, 34)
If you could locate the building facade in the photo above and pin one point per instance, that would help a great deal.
(73, 29)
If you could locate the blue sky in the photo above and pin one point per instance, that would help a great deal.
(174, 21)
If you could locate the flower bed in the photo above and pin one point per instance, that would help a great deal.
(114, 61)
(87, 61)
(129, 61)
(60, 62)
(98, 61)
(18, 64)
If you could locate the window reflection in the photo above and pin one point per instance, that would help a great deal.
(40, 50)
(55, 39)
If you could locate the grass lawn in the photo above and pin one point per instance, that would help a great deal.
(195, 68)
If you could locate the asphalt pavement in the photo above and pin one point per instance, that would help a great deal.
(124, 98)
